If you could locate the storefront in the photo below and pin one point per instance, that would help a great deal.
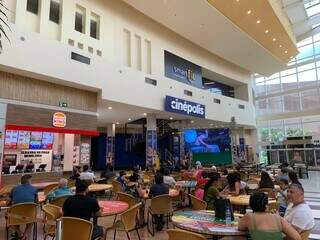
(44, 140)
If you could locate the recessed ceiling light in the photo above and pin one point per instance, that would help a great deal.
(286, 51)
(237, 0)
(274, 39)
(110, 108)
(191, 121)
(291, 56)
(266, 31)
(144, 114)
(249, 12)
(129, 119)
(171, 118)
(280, 46)
(117, 123)
(258, 21)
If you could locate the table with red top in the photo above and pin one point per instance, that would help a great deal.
(110, 208)
(42, 185)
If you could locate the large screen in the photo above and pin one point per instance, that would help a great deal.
(207, 140)
(35, 142)
(47, 140)
(24, 139)
(11, 139)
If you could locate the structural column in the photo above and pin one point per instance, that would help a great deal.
(111, 132)
(3, 113)
(151, 141)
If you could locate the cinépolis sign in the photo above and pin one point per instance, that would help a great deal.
(184, 107)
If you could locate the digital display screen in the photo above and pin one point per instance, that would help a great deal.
(11, 139)
(47, 140)
(35, 142)
(24, 139)
(207, 140)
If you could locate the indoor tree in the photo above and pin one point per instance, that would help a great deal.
(3, 23)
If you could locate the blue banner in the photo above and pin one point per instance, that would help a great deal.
(184, 107)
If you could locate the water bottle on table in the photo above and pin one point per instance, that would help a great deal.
(228, 216)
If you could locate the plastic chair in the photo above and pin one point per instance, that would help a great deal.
(128, 222)
(49, 188)
(305, 234)
(160, 205)
(52, 213)
(76, 228)
(124, 197)
(59, 201)
(176, 234)
(28, 213)
(197, 204)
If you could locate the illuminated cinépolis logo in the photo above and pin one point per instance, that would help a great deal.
(187, 74)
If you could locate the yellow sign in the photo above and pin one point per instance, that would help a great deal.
(59, 120)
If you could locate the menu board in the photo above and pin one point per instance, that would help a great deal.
(24, 139)
(35, 142)
(11, 139)
(47, 140)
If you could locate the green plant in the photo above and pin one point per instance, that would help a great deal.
(3, 23)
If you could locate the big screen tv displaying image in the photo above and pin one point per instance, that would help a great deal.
(207, 140)
(35, 142)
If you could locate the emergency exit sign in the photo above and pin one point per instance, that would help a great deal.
(63, 104)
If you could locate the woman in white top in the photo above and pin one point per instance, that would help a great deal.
(167, 179)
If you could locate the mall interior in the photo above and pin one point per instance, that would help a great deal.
(159, 119)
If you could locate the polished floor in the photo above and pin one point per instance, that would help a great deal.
(312, 196)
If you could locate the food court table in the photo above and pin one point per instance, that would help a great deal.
(112, 207)
(204, 222)
(95, 187)
(187, 184)
(42, 185)
(243, 200)
(172, 193)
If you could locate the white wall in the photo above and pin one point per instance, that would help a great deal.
(68, 152)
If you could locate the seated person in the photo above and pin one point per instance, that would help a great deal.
(283, 174)
(75, 173)
(264, 225)
(282, 196)
(211, 192)
(234, 186)
(293, 178)
(266, 181)
(23, 193)
(86, 175)
(157, 189)
(62, 190)
(201, 181)
(122, 178)
(167, 179)
(107, 174)
(298, 212)
(83, 206)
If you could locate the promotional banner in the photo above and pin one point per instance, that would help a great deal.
(110, 150)
(151, 148)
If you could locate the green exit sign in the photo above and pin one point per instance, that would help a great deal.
(63, 104)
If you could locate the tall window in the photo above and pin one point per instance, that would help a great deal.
(95, 26)
(54, 14)
(80, 19)
(33, 6)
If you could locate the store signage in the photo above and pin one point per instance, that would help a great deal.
(184, 107)
(63, 104)
(182, 70)
(59, 120)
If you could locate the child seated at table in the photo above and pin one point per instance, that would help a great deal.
(282, 196)
(211, 192)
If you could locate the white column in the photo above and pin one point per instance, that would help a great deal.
(111, 132)
(151, 140)
(68, 152)
(3, 113)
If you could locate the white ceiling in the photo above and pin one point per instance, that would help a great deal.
(202, 24)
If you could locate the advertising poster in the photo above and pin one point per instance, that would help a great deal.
(11, 139)
(47, 140)
(35, 140)
(24, 139)
(110, 150)
(76, 155)
(151, 147)
(84, 153)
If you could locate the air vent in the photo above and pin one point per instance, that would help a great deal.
(80, 58)
(216, 100)
(188, 93)
(151, 81)
(241, 106)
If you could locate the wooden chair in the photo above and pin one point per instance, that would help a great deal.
(116, 187)
(52, 213)
(28, 213)
(71, 183)
(128, 222)
(197, 204)
(176, 234)
(160, 205)
(49, 188)
(124, 197)
(269, 191)
(59, 201)
(273, 207)
(76, 228)
(305, 234)
(6, 190)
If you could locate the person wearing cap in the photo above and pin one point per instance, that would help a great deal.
(83, 206)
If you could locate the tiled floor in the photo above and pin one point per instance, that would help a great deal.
(312, 195)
